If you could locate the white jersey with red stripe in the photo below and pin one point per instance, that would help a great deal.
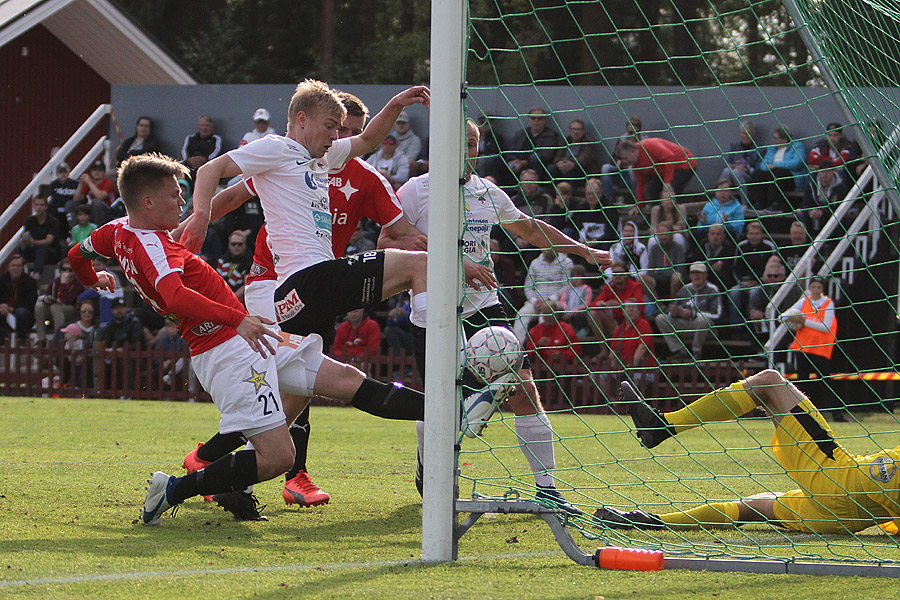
(293, 189)
(147, 256)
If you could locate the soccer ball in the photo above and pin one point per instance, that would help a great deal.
(492, 352)
(792, 319)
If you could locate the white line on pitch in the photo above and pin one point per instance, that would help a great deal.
(277, 569)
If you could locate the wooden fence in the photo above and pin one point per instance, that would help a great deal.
(100, 372)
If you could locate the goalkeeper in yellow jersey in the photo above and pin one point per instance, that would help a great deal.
(838, 492)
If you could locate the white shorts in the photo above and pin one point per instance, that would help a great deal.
(298, 357)
(243, 386)
(259, 297)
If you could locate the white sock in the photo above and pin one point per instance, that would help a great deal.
(536, 440)
(420, 439)
(419, 304)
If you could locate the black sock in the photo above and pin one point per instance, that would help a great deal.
(389, 401)
(221, 444)
(299, 431)
(228, 474)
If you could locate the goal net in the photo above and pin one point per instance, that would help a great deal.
(794, 105)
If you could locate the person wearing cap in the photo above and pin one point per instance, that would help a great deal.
(142, 142)
(56, 309)
(390, 162)
(834, 147)
(60, 193)
(96, 191)
(408, 142)
(261, 120)
(696, 309)
(124, 329)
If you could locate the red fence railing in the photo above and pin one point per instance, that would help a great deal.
(100, 372)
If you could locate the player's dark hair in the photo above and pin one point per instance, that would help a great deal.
(144, 173)
(354, 106)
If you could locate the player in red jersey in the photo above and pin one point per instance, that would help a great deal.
(242, 380)
(355, 191)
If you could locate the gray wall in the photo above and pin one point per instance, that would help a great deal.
(704, 119)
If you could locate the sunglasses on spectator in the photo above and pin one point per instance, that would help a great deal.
(87, 310)
(389, 142)
(235, 243)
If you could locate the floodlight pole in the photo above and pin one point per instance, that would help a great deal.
(448, 19)
(812, 44)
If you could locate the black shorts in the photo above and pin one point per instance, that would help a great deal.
(488, 316)
(310, 299)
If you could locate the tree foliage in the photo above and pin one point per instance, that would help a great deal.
(597, 42)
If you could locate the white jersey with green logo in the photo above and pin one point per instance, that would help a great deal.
(486, 205)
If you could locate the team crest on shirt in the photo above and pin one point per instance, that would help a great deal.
(882, 469)
(257, 270)
(257, 378)
(288, 307)
(310, 180)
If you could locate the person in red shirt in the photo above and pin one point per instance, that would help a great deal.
(551, 339)
(231, 350)
(354, 192)
(357, 335)
(631, 347)
(661, 168)
(98, 192)
(606, 309)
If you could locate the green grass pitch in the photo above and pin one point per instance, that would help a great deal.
(72, 477)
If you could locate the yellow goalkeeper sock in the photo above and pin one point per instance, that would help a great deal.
(719, 515)
(721, 405)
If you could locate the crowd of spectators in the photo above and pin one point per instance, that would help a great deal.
(690, 267)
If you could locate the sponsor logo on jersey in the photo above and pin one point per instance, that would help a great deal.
(882, 469)
(310, 179)
(206, 328)
(323, 220)
(288, 307)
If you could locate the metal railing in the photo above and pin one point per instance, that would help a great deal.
(48, 171)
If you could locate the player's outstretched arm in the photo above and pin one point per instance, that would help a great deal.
(253, 329)
(382, 123)
(544, 235)
(208, 177)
